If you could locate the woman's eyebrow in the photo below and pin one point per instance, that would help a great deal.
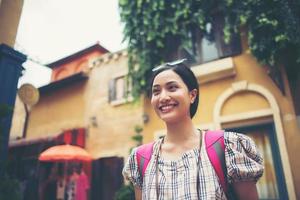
(167, 84)
(155, 86)
(171, 82)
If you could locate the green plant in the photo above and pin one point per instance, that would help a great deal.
(138, 129)
(138, 137)
(126, 192)
(156, 28)
(9, 188)
(273, 28)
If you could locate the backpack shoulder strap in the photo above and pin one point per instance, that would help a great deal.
(143, 155)
(215, 148)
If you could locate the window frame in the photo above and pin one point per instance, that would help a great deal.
(224, 50)
(113, 90)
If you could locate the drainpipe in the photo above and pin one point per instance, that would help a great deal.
(24, 133)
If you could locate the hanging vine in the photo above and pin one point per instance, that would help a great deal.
(154, 28)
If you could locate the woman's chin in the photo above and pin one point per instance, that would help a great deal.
(169, 118)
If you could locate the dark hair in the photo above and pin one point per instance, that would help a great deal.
(187, 76)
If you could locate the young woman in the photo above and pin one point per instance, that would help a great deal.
(179, 167)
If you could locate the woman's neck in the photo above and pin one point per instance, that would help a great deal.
(181, 132)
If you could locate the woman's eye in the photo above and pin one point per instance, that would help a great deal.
(155, 92)
(172, 87)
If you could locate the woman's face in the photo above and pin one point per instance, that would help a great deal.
(171, 98)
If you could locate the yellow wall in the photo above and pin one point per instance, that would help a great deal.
(18, 120)
(10, 12)
(244, 102)
(115, 124)
(55, 112)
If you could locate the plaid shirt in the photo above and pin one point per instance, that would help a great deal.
(178, 179)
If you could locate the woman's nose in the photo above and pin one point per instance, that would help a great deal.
(164, 95)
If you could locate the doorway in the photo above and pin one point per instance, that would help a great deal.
(272, 184)
(106, 177)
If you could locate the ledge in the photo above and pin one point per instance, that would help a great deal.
(63, 82)
(121, 101)
(214, 70)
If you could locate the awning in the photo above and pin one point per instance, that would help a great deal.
(25, 142)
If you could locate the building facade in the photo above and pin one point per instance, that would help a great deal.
(236, 93)
(81, 106)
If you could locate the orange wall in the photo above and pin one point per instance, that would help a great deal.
(75, 66)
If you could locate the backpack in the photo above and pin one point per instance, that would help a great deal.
(215, 148)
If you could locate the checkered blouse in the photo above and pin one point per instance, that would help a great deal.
(178, 179)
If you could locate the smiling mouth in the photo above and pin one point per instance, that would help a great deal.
(166, 108)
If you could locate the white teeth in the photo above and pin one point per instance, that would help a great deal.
(166, 108)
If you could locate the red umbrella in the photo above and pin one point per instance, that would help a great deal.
(65, 153)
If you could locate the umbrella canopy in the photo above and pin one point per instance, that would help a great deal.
(65, 153)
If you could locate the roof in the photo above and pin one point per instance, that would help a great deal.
(69, 58)
(63, 82)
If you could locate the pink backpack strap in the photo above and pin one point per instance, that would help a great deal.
(143, 155)
(215, 148)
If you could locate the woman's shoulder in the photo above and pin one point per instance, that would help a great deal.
(243, 158)
(231, 137)
(147, 148)
(149, 145)
(131, 169)
(240, 142)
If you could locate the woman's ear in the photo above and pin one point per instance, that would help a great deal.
(193, 95)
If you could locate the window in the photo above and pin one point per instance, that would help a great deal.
(120, 90)
(203, 48)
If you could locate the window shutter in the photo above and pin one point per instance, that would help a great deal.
(226, 49)
(232, 48)
(191, 53)
(111, 90)
(80, 139)
(68, 136)
(235, 44)
(124, 87)
(128, 86)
